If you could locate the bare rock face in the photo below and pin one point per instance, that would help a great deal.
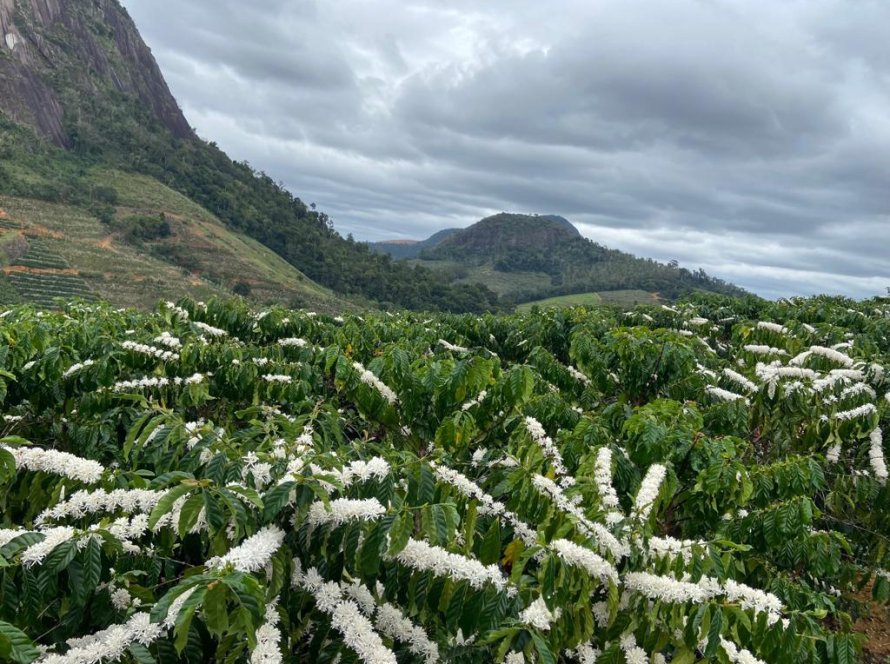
(53, 52)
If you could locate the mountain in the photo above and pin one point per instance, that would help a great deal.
(533, 257)
(93, 47)
(94, 150)
(411, 248)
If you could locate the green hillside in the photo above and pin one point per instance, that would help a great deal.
(50, 250)
(621, 298)
(525, 258)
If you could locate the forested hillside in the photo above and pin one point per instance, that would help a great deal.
(532, 257)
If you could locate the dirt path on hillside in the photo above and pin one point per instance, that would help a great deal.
(37, 230)
(9, 269)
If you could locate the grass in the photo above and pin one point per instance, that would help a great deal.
(202, 258)
(618, 297)
(502, 283)
(629, 298)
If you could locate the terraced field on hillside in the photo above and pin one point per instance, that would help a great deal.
(200, 257)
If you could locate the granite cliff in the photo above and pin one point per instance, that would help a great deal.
(55, 55)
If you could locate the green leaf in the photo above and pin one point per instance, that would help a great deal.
(490, 551)
(216, 617)
(165, 504)
(91, 564)
(162, 606)
(276, 499)
(20, 543)
(400, 533)
(188, 515)
(59, 558)
(184, 618)
(545, 654)
(15, 645)
(141, 654)
(216, 516)
(372, 550)
(714, 632)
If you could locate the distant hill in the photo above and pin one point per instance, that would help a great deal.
(411, 248)
(531, 257)
(90, 133)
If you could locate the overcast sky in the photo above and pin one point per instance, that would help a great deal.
(750, 138)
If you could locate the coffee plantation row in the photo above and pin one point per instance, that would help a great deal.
(705, 482)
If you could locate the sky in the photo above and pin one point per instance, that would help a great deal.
(749, 138)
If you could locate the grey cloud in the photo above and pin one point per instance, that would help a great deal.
(750, 139)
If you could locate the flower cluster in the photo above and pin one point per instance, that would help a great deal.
(579, 556)
(393, 623)
(577, 375)
(268, 635)
(669, 547)
(278, 378)
(479, 398)
(738, 655)
(176, 309)
(81, 503)
(752, 598)
(56, 463)
(109, 644)
(649, 489)
(488, 506)
(602, 475)
(210, 330)
(156, 382)
(599, 532)
(538, 615)
(756, 349)
(254, 553)
(876, 455)
(364, 471)
(153, 351)
(344, 510)
(368, 378)
(53, 537)
(74, 368)
(419, 555)
(346, 617)
(664, 588)
(739, 379)
(855, 413)
(451, 347)
(633, 654)
(726, 395)
(772, 327)
(168, 340)
(829, 353)
(293, 342)
(536, 430)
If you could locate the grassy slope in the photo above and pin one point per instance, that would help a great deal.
(208, 259)
(619, 297)
(502, 283)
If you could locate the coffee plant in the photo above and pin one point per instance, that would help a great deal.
(705, 482)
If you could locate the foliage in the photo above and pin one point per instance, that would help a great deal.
(144, 228)
(209, 483)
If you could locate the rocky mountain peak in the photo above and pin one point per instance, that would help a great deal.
(54, 53)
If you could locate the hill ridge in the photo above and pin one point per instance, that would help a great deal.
(527, 257)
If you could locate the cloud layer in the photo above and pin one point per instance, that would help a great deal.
(750, 139)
